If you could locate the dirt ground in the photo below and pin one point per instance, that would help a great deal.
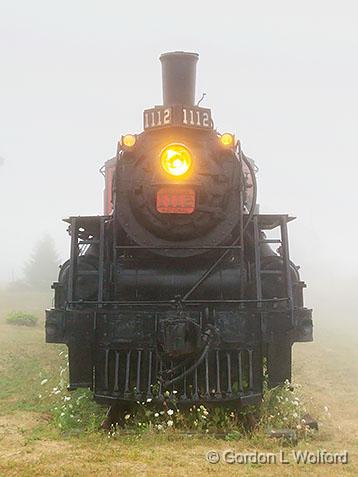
(29, 446)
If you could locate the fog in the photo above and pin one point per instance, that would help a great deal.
(281, 75)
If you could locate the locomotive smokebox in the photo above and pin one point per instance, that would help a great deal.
(179, 74)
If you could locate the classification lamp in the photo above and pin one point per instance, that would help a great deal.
(129, 140)
(227, 139)
(176, 159)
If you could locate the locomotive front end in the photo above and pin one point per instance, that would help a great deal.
(176, 292)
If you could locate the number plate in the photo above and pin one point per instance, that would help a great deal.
(189, 117)
(171, 200)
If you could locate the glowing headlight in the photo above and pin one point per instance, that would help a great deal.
(176, 159)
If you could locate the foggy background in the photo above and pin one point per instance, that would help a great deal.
(281, 75)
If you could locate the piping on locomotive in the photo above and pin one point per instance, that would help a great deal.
(176, 290)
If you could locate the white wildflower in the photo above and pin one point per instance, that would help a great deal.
(170, 423)
(44, 381)
(127, 416)
(156, 414)
(149, 400)
(170, 412)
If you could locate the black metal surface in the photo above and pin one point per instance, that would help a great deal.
(136, 372)
(154, 305)
(225, 375)
(179, 74)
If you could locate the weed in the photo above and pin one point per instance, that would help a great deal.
(283, 408)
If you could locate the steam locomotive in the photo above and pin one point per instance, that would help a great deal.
(176, 291)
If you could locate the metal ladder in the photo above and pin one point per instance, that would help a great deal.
(258, 227)
(76, 244)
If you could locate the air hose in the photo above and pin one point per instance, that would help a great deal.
(208, 336)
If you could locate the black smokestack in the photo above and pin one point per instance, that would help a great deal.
(179, 74)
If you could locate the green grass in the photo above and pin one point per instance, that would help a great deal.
(24, 360)
(21, 318)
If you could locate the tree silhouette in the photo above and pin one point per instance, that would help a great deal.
(42, 268)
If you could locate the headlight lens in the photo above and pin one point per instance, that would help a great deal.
(176, 159)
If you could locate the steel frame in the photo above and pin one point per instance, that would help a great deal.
(259, 223)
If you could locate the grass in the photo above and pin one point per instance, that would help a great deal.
(21, 318)
(32, 444)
